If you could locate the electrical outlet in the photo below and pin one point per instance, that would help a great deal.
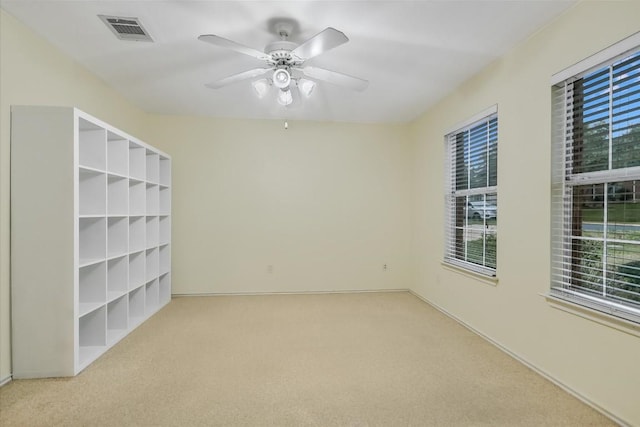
(385, 267)
(270, 269)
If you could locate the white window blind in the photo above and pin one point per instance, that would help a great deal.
(596, 188)
(471, 197)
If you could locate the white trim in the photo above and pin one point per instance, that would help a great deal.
(623, 174)
(223, 294)
(6, 380)
(469, 267)
(463, 268)
(472, 120)
(581, 310)
(525, 362)
(600, 305)
(619, 48)
(475, 191)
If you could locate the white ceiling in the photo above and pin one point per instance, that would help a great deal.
(412, 52)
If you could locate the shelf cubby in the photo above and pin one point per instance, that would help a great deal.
(92, 150)
(152, 199)
(164, 201)
(117, 236)
(87, 354)
(152, 296)
(92, 240)
(153, 167)
(164, 262)
(165, 229)
(117, 154)
(136, 305)
(137, 161)
(92, 287)
(152, 227)
(117, 195)
(92, 331)
(137, 197)
(137, 231)
(117, 277)
(151, 264)
(137, 269)
(92, 192)
(117, 319)
(165, 171)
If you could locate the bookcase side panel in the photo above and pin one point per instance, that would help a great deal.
(43, 216)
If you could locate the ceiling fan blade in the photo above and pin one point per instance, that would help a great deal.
(222, 42)
(238, 77)
(336, 78)
(321, 42)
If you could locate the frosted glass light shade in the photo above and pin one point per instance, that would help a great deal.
(306, 87)
(284, 97)
(261, 87)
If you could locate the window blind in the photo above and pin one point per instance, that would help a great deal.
(471, 198)
(595, 195)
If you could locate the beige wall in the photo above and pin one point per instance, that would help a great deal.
(32, 72)
(325, 204)
(598, 362)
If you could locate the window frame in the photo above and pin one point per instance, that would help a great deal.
(565, 181)
(452, 209)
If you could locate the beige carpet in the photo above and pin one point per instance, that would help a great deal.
(366, 359)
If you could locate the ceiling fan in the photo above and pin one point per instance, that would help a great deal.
(285, 67)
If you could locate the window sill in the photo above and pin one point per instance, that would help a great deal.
(489, 280)
(593, 315)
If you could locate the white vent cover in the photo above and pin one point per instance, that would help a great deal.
(126, 28)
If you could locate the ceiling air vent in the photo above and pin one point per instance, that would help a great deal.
(126, 28)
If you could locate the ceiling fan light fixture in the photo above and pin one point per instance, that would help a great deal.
(281, 78)
(261, 87)
(306, 86)
(285, 65)
(284, 97)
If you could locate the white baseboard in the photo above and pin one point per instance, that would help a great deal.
(361, 291)
(5, 380)
(525, 362)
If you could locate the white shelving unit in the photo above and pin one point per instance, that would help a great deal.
(117, 236)
(153, 166)
(117, 154)
(92, 240)
(117, 195)
(137, 233)
(153, 196)
(136, 270)
(92, 205)
(137, 197)
(92, 200)
(152, 231)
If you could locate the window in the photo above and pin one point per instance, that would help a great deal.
(471, 197)
(596, 187)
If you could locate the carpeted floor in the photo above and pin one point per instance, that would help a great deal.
(363, 359)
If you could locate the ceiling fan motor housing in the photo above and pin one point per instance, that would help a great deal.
(280, 53)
